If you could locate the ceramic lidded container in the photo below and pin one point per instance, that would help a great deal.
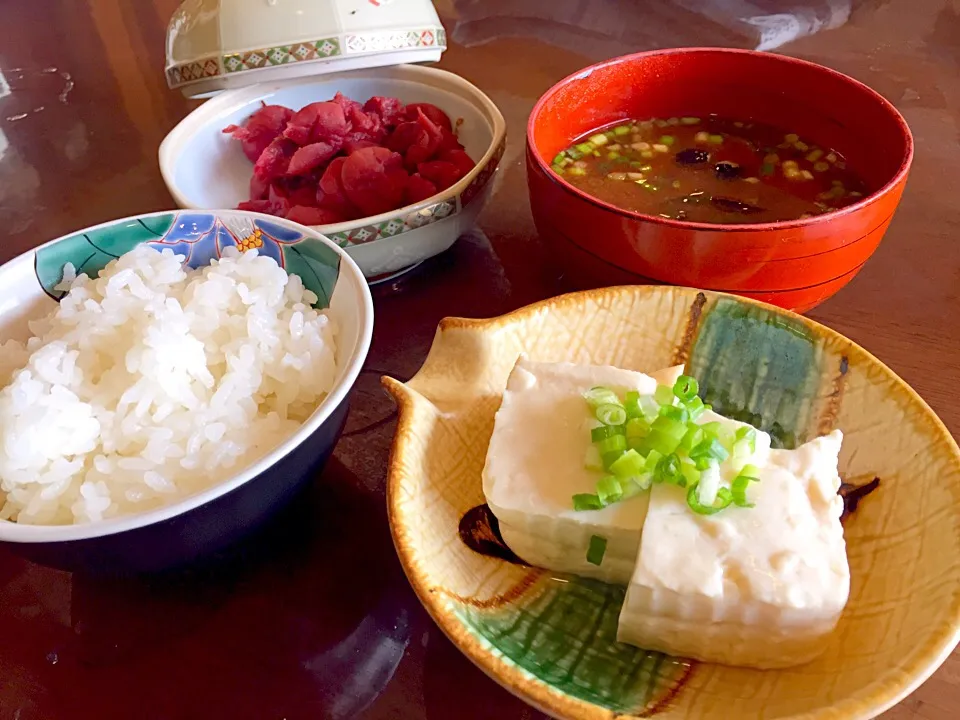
(295, 52)
(215, 45)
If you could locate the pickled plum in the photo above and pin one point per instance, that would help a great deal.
(435, 114)
(374, 179)
(419, 188)
(260, 129)
(339, 160)
(310, 157)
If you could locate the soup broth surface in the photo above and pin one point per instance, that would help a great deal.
(710, 170)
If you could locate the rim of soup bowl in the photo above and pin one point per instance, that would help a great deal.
(13, 532)
(171, 146)
(827, 217)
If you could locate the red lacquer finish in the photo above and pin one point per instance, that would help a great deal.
(796, 264)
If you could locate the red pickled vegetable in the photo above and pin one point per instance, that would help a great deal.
(330, 192)
(351, 145)
(434, 132)
(406, 135)
(441, 173)
(258, 188)
(275, 159)
(337, 160)
(415, 155)
(419, 188)
(345, 102)
(448, 141)
(274, 204)
(364, 125)
(306, 194)
(317, 122)
(435, 114)
(459, 158)
(374, 179)
(313, 215)
(390, 109)
(310, 157)
(260, 129)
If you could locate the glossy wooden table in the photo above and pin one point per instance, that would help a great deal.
(314, 619)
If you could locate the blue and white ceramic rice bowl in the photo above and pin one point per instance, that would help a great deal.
(212, 518)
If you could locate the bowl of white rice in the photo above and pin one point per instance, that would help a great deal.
(168, 382)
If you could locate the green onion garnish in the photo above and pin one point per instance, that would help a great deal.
(653, 457)
(693, 438)
(673, 412)
(609, 490)
(738, 490)
(631, 402)
(669, 471)
(711, 428)
(614, 443)
(710, 449)
(690, 472)
(695, 407)
(598, 396)
(609, 458)
(557, 169)
(749, 436)
(585, 148)
(558, 160)
(663, 395)
(592, 460)
(629, 464)
(723, 500)
(606, 431)
(649, 407)
(621, 130)
(586, 501)
(610, 414)
(689, 120)
(636, 485)
(598, 139)
(645, 439)
(637, 428)
(667, 139)
(686, 388)
(598, 546)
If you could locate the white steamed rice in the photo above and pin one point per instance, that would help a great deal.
(151, 383)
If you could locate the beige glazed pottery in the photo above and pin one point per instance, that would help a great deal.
(551, 640)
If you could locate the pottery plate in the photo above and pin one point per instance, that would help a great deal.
(551, 640)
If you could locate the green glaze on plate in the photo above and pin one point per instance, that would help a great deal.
(563, 632)
(757, 366)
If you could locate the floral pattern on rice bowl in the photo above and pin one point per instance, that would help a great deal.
(199, 237)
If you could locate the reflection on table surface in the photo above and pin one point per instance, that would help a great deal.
(313, 617)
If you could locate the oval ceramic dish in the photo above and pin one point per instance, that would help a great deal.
(213, 518)
(551, 640)
(203, 168)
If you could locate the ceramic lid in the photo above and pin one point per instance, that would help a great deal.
(215, 45)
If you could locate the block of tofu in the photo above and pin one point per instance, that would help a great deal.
(759, 587)
(535, 465)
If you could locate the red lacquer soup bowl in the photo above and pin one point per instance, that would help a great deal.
(796, 264)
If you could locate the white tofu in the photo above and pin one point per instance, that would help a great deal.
(535, 465)
(760, 587)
